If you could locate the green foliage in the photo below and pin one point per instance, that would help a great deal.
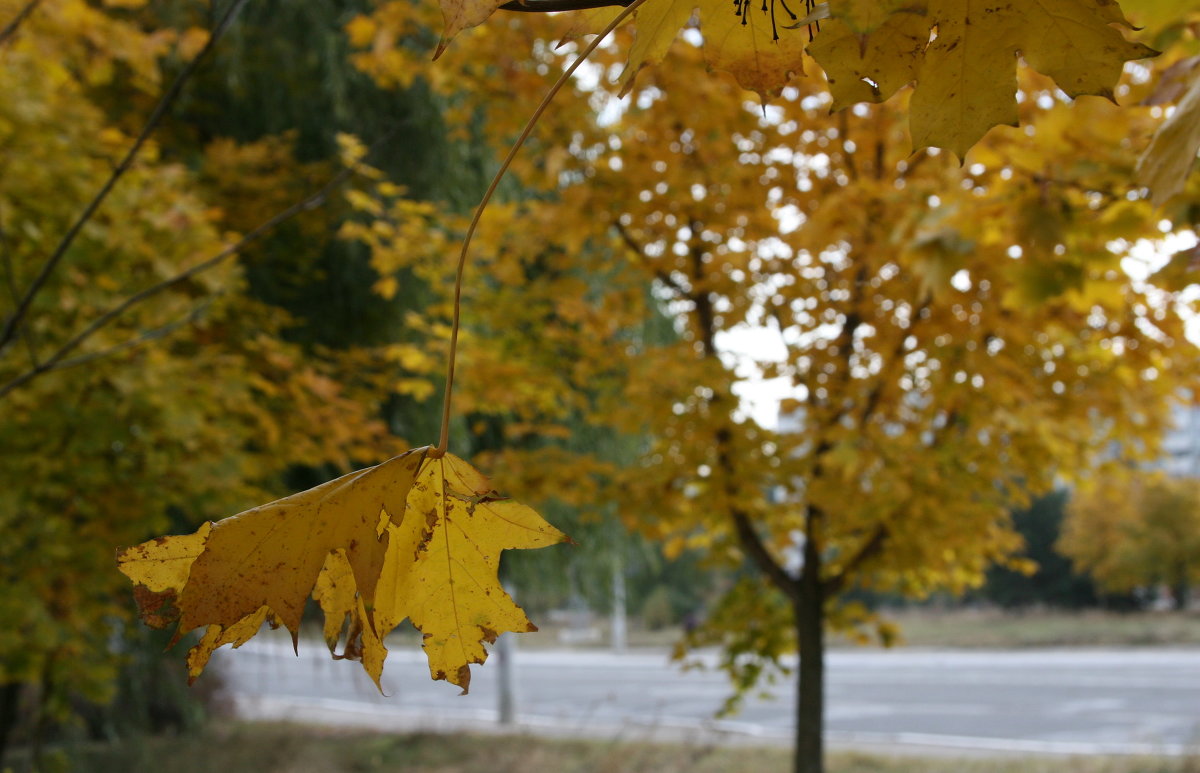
(1051, 581)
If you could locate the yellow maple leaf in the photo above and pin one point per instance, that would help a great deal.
(748, 42)
(966, 75)
(863, 16)
(750, 45)
(658, 23)
(440, 570)
(1166, 164)
(337, 595)
(874, 67)
(271, 555)
(588, 22)
(340, 601)
(418, 536)
(458, 15)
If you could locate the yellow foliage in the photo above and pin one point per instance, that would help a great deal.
(186, 403)
(961, 54)
(1134, 529)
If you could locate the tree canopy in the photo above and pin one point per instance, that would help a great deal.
(958, 330)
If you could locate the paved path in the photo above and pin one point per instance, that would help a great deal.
(1138, 701)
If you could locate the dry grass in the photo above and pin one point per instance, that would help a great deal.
(993, 628)
(971, 628)
(293, 749)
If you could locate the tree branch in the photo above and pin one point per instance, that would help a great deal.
(144, 337)
(844, 136)
(753, 546)
(867, 550)
(845, 344)
(51, 363)
(871, 404)
(10, 281)
(554, 6)
(10, 29)
(662, 276)
(156, 116)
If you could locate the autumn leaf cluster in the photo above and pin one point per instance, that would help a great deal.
(418, 537)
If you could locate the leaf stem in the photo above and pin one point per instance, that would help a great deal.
(444, 439)
(558, 6)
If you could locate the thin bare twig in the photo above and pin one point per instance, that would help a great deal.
(10, 29)
(10, 280)
(640, 251)
(53, 361)
(444, 440)
(555, 6)
(156, 116)
(145, 337)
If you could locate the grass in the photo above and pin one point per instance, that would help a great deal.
(969, 628)
(993, 628)
(279, 748)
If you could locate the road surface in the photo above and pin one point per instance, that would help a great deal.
(1129, 701)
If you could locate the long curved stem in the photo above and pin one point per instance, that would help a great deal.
(444, 440)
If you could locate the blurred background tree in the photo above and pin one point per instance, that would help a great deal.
(1136, 532)
(1050, 580)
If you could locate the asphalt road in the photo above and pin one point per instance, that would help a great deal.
(1133, 701)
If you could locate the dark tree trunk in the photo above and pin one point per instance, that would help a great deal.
(1181, 593)
(810, 675)
(10, 696)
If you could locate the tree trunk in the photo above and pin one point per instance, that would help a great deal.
(10, 696)
(810, 675)
(1181, 593)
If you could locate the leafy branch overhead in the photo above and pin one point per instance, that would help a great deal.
(960, 55)
(417, 537)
